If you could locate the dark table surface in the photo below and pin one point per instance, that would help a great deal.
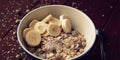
(105, 14)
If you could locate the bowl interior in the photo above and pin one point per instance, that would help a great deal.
(79, 21)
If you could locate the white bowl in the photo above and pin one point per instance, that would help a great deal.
(79, 20)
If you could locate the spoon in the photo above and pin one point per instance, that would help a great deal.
(100, 36)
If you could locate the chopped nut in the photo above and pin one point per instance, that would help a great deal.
(66, 50)
(83, 39)
(68, 57)
(53, 50)
(68, 45)
(58, 58)
(79, 37)
(78, 53)
(44, 49)
(64, 36)
(59, 51)
(67, 40)
(64, 55)
(43, 56)
(31, 49)
(83, 44)
(39, 50)
(75, 33)
(44, 42)
(53, 58)
(81, 50)
(77, 45)
(50, 55)
(75, 38)
(72, 46)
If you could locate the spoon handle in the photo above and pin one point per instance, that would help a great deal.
(100, 36)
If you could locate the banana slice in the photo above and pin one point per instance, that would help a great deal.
(53, 29)
(25, 31)
(66, 25)
(40, 27)
(47, 18)
(63, 17)
(45, 34)
(31, 25)
(56, 21)
(33, 38)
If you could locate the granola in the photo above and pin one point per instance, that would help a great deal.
(63, 46)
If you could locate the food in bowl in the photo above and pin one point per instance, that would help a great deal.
(53, 38)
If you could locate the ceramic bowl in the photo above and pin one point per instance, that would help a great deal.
(79, 20)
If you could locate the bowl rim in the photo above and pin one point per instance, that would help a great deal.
(26, 50)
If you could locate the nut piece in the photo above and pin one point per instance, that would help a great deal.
(84, 44)
(50, 55)
(81, 50)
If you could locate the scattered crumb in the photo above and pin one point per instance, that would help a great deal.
(23, 52)
(3, 50)
(74, 3)
(10, 45)
(111, 7)
(3, 24)
(14, 33)
(12, 38)
(18, 56)
(17, 21)
(11, 13)
(27, 10)
(85, 10)
(8, 52)
(7, 58)
(12, 48)
(2, 45)
(14, 45)
(103, 15)
(26, 6)
(2, 13)
(12, 51)
(12, 26)
(17, 10)
(24, 58)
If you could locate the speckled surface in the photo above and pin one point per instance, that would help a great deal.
(104, 13)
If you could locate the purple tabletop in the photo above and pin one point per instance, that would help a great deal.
(105, 14)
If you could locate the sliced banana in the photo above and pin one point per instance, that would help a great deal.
(47, 18)
(53, 29)
(55, 20)
(66, 25)
(63, 17)
(31, 25)
(40, 27)
(25, 31)
(45, 34)
(33, 38)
